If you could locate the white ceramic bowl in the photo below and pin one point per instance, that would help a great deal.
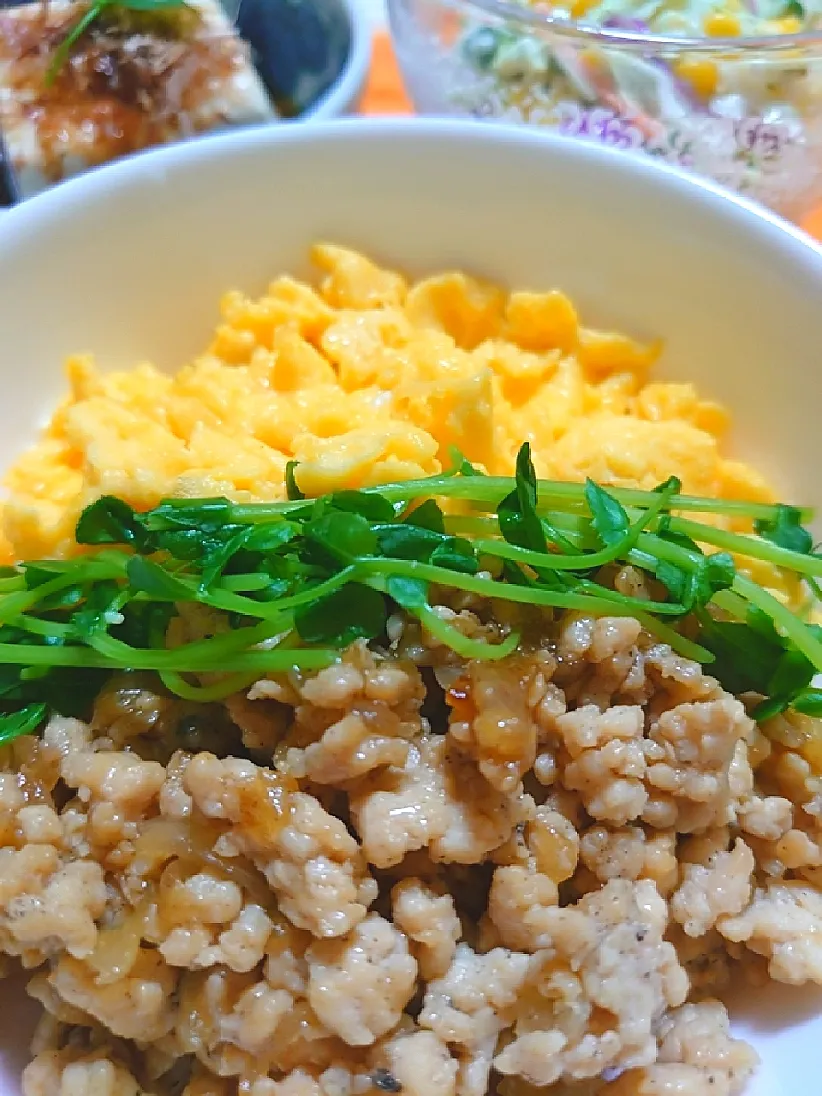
(129, 261)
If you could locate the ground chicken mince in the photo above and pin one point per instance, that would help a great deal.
(408, 873)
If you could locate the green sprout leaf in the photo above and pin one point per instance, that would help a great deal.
(291, 489)
(607, 514)
(149, 5)
(809, 702)
(25, 721)
(785, 529)
(147, 577)
(341, 536)
(280, 577)
(409, 593)
(460, 466)
(409, 542)
(428, 515)
(109, 520)
(63, 52)
(518, 518)
(353, 612)
(456, 554)
(373, 507)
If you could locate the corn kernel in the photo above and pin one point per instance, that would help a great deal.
(721, 25)
(789, 24)
(581, 7)
(700, 73)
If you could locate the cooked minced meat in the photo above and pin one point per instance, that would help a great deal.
(544, 891)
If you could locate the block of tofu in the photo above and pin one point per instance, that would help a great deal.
(132, 81)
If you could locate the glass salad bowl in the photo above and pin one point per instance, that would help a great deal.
(687, 82)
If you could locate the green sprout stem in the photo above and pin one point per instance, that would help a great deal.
(89, 17)
(491, 489)
(205, 694)
(62, 54)
(747, 546)
(289, 585)
(256, 662)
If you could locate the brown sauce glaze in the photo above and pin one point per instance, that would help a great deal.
(131, 81)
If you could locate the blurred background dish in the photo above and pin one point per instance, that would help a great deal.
(737, 98)
(313, 53)
(150, 73)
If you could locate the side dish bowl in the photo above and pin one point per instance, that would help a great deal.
(328, 81)
(303, 60)
(744, 111)
(128, 261)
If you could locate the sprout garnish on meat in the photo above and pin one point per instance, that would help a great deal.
(291, 584)
(93, 13)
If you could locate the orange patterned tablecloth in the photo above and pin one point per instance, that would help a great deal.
(384, 95)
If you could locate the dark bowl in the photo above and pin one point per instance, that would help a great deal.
(312, 56)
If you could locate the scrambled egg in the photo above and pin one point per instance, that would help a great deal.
(364, 380)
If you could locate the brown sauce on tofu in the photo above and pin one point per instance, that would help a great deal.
(131, 81)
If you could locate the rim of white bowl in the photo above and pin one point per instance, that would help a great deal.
(151, 169)
(346, 90)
